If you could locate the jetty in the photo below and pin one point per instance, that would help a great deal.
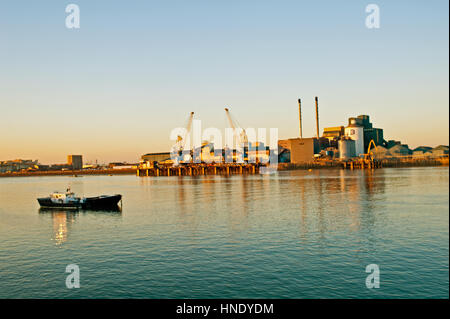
(199, 169)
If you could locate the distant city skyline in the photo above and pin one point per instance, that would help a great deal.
(115, 88)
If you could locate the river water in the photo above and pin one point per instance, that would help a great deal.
(295, 234)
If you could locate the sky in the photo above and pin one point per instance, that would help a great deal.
(115, 88)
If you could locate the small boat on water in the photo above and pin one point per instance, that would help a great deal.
(70, 201)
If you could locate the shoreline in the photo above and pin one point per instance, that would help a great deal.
(386, 163)
(127, 171)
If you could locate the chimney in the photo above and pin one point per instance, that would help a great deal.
(300, 116)
(317, 116)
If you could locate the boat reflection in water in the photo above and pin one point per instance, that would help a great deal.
(63, 219)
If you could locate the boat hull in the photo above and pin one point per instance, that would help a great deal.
(101, 202)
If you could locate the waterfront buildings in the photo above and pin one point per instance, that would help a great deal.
(18, 165)
(75, 162)
(155, 157)
(301, 150)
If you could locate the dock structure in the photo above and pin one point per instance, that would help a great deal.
(402, 161)
(362, 164)
(199, 169)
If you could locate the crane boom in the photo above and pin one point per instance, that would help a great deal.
(181, 140)
(188, 129)
(227, 111)
(243, 135)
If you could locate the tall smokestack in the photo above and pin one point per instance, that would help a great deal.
(317, 116)
(300, 116)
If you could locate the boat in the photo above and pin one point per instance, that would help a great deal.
(68, 200)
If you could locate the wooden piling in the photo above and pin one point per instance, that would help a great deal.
(199, 169)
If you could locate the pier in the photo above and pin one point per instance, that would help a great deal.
(362, 164)
(402, 161)
(199, 169)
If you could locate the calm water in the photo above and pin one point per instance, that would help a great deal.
(293, 235)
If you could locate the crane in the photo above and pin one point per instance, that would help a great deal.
(369, 154)
(243, 139)
(181, 140)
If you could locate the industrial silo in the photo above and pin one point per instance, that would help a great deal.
(356, 133)
(346, 148)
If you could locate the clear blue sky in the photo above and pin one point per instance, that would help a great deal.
(114, 89)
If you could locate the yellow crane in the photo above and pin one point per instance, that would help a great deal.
(368, 155)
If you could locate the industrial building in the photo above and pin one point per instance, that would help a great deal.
(440, 150)
(370, 133)
(402, 150)
(356, 132)
(347, 148)
(422, 151)
(302, 150)
(380, 152)
(345, 143)
(17, 165)
(357, 139)
(392, 143)
(298, 150)
(399, 150)
(362, 131)
(155, 157)
(333, 133)
(75, 162)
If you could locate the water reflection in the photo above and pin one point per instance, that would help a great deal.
(62, 220)
(326, 200)
(329, 200)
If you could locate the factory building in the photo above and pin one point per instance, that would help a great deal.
(399, 150)
(347, 142)
(347, 148)
(350, 141)
(422, 151)
(375, 134)
(17, 165)
(370, 133)
(440, 150)
(75, 162)
(356, 132)
(302, 150)
(380, 152)
(392, 143)
(333, 133)
(155, 157)
(298, 150)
